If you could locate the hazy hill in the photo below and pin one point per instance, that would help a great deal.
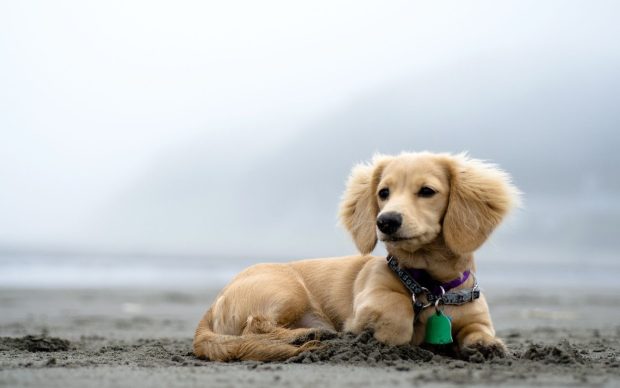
(553, 127)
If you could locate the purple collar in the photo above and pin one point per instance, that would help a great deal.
(425, 280)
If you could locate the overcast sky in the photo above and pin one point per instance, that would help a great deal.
(92, 94)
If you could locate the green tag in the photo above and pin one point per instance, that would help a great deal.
(438, 329)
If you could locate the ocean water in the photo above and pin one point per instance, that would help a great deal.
(495, 268)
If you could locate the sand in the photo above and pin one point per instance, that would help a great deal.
(139, 338)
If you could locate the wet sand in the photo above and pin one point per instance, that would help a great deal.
(139, 338)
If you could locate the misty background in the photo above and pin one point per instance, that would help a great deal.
(173, 143)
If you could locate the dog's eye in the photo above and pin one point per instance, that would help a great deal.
(426, 192)
(384, 193)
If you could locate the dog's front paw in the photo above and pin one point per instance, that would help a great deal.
(393, 332)
(478, 348)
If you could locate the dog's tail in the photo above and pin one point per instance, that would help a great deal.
(259, 347)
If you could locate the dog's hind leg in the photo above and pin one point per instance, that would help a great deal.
(261, 341)
(306, 337)
(256, 317)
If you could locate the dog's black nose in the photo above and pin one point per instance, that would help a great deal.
(389, 222)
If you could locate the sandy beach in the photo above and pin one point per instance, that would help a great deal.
(151, 151)
(140, 338)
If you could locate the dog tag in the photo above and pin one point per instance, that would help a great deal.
(438, 329)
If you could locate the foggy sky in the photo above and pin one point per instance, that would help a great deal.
(192, 126)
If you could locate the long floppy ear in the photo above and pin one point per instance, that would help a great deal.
(359, 208)
(480, 196)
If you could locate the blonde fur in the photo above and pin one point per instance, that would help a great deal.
(275, 311)
(358, 208)
(480, 196)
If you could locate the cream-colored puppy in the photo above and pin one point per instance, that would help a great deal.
(432, 211)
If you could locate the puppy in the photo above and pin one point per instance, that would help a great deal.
(432, 211)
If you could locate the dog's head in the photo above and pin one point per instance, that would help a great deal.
(408, 201)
